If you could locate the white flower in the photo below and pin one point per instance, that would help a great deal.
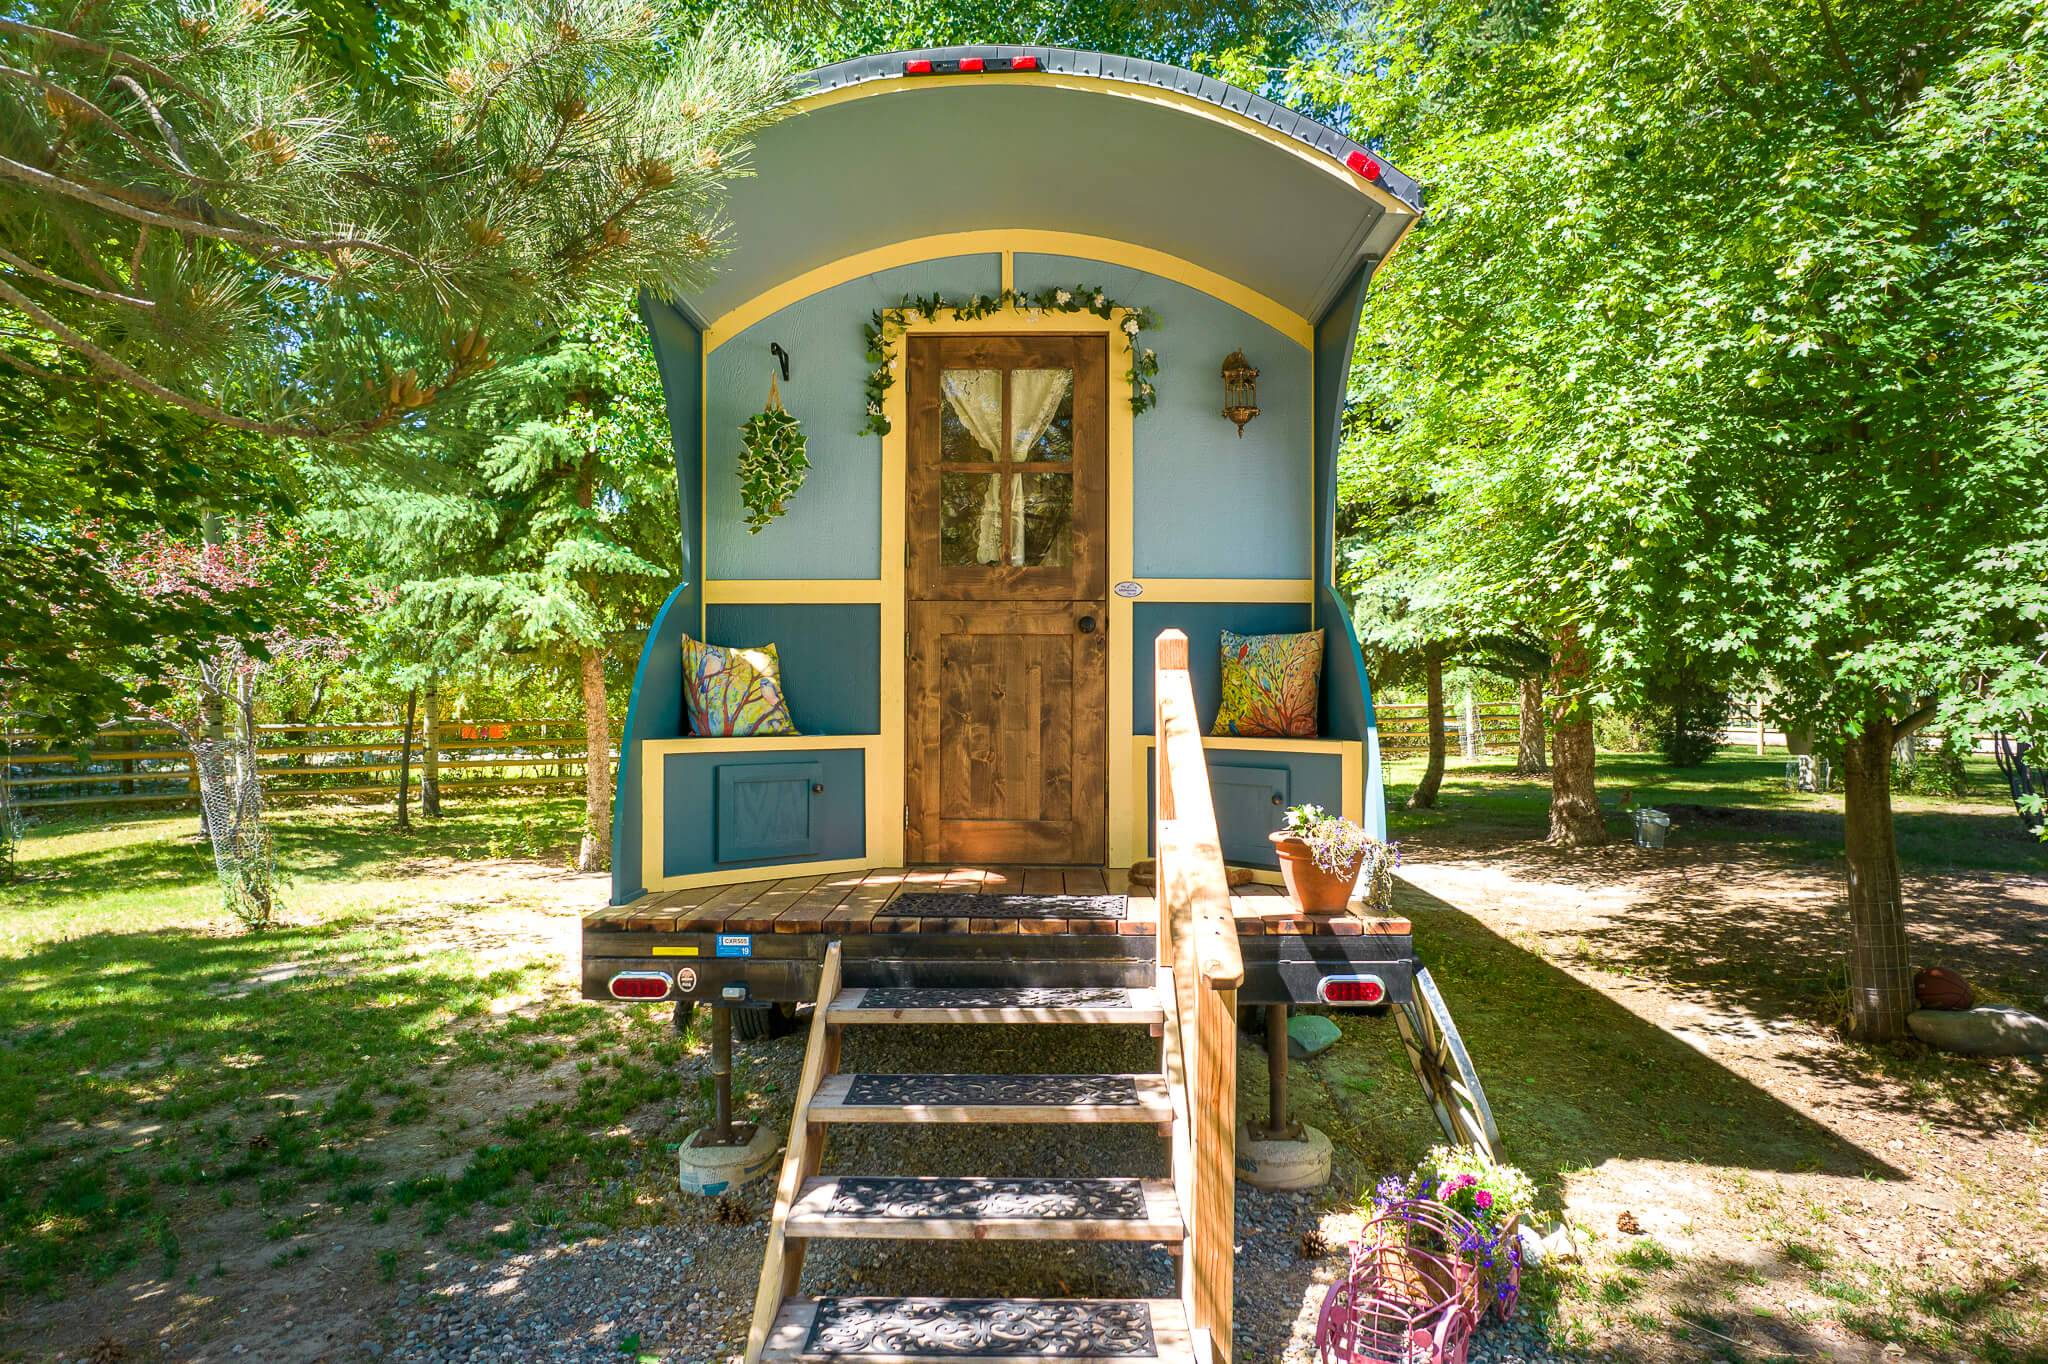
(1145, 389)
(1062, 297)
(874, 409)
(1100, 300)
(1130, 326)
(1150, 356)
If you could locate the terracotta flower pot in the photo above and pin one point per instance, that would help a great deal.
(1315, 890)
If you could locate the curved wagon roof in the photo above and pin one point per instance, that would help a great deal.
(939, 142)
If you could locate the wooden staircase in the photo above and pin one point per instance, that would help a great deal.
(1190, 1099)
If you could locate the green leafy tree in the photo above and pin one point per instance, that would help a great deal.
(1724, 340)
(542, 526)
(191, 206)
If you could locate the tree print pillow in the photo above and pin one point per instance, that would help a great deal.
(733, 693)
(1270, 685)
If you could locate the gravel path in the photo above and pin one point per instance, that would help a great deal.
(684, 1290)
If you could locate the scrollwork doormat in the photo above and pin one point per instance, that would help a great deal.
(956, 1199)
(950, 1328)
(940, 905)
(990, 1091)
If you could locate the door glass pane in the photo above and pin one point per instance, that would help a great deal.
(1047, 516)
(1042, 414)
(971, 415)
(970, 519)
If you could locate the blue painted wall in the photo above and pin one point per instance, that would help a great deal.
(1203, 623)
(654, 711)
(1245, 813)
(831, 659)
(1210, 505)
(1347, 691)
(689, 818)
(833, 528)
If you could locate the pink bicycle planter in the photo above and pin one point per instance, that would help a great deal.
(1410, 1294)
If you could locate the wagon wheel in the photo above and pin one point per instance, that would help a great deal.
(1444, 1069)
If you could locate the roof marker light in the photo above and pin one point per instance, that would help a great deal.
(1025, 63)
(917, 66)
(970, 65)
(1364, 165)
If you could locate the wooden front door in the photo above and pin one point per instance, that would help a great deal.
(1008, 585)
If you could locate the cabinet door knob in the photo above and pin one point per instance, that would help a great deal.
(818, 789)
(1087, 624)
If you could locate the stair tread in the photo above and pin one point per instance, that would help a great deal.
(1034, 1004)
(882, 1330)
(924, 1207)
(992, 1098)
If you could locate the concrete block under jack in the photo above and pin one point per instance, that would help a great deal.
(712, 1170)
(1284, 1166)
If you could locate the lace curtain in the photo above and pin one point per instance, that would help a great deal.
(976, 397)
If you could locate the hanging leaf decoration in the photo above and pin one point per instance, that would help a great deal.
(772, 463)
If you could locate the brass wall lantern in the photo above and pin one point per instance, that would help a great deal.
(1240, 390)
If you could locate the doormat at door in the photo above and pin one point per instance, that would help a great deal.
(940, 905)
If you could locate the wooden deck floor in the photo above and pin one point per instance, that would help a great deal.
(858, 902)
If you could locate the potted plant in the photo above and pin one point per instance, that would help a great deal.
(1493, 1198)
(1320, 857)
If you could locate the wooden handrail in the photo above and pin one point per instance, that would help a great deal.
(1198, 946)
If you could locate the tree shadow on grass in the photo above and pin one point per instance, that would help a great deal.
(312, 845)
(1576, 1079)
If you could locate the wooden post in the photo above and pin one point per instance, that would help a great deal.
(1759, 724)
(412, 701)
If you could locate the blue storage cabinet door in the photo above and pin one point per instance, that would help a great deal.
(768, 811)
(1251, 802)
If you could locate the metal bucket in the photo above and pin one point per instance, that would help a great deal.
(1651, 826)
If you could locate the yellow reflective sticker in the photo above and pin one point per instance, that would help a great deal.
(673, 951)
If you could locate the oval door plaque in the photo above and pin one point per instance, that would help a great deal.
(1128, 589)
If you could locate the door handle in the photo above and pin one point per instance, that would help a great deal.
(1087, 625)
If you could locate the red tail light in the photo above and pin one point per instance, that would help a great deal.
(970, 64)
(1364, 165)
(1023, 63)
(1351, 990)
(640, 985)
(917, 67)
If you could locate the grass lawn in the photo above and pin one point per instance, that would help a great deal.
(202, 1128)
(182, 1099)
(1484, 800)
(1656, 1034)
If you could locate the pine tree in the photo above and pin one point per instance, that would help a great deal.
(547, 527)
(194, 207)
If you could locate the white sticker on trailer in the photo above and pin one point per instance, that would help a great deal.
(686, 979)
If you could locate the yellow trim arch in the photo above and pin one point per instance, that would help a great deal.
(1006, 243)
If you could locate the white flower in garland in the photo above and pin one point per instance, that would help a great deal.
(1150, 356)
(1062, 297)
(874, 409)
(1101, 302)
(1130, 326)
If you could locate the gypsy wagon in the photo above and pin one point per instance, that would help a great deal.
(1066, 336)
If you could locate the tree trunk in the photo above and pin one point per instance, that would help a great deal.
(1424, 795)
(1575, 820)
(412, 701)
(430, 753)
(596, 852)
(1880, 979)
(1529, 759)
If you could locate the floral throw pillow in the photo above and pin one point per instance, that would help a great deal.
(733, 693)
(1270, 685)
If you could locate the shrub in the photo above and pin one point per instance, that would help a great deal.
(1935, 767)
(1689, 730)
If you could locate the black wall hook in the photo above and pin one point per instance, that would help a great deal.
(775, 349)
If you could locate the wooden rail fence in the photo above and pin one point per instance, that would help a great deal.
(1404, 726)
(138, 765)
(1198, 944)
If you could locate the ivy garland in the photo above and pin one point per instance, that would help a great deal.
(772, 464)
(885, 328)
